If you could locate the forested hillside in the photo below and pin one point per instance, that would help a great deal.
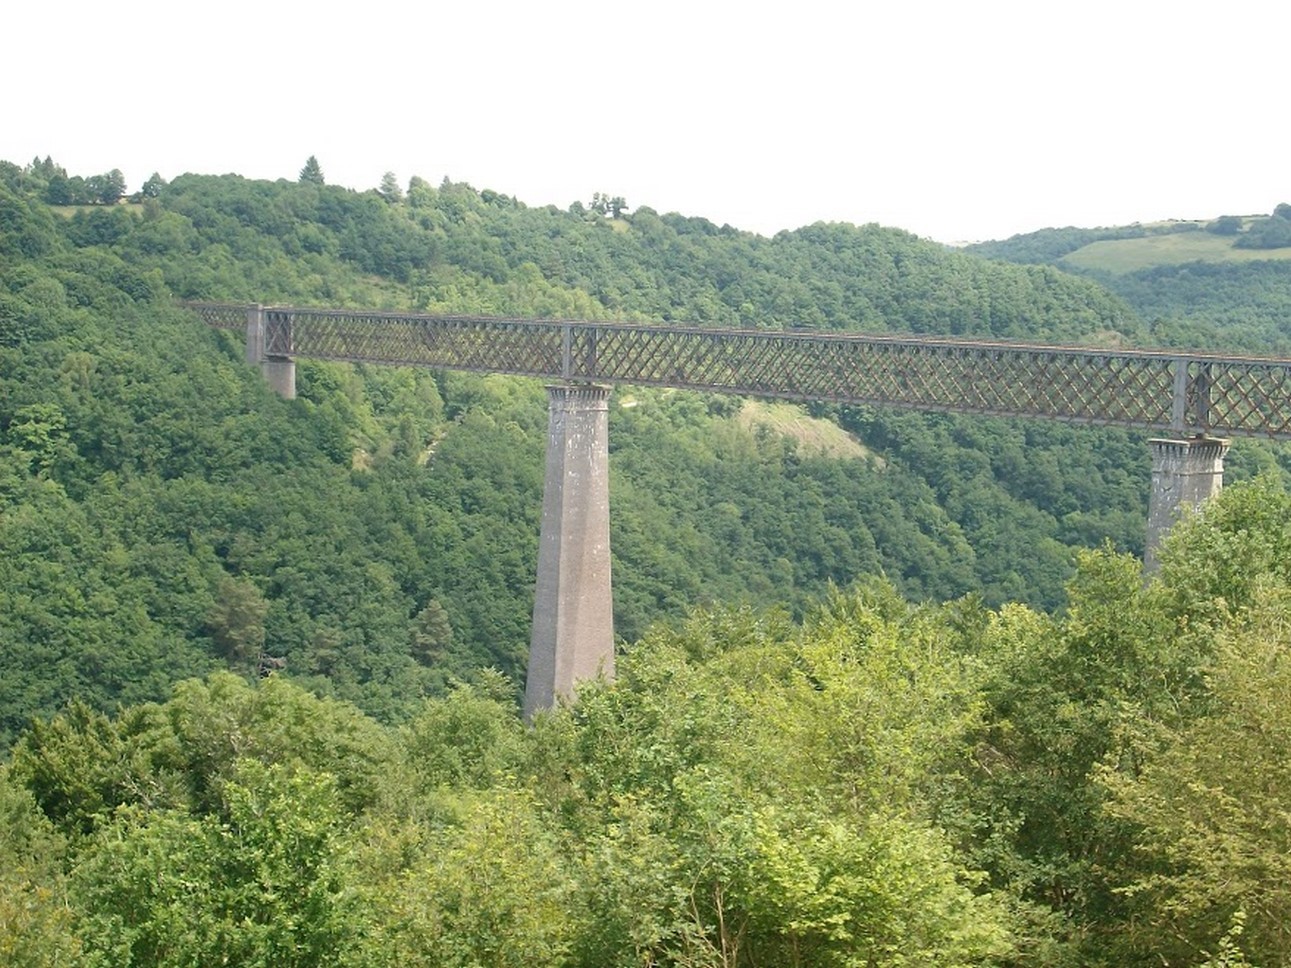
(380, 532)
(822, 765)
(1223, 283)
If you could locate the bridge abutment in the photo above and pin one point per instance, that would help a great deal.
(573, 621)
(1184, 474)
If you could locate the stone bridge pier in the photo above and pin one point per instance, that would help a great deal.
(573, 618)
(1185, 473)
(271, 352)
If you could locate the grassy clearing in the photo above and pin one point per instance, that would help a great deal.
(815, 437)
(67, 211)
(1129, 255)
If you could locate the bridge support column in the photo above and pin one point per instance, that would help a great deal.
(269, 346)
(255, 335)
(1184, 474)
(280, 373)
(573, 621)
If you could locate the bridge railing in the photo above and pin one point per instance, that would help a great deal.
(1180, 393)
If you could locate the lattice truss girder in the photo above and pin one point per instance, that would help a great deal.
(933, 375)
(446, 342)
(230, 316)
(1182, 393)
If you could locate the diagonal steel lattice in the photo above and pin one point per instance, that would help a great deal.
(231, 316)
(1180, 393)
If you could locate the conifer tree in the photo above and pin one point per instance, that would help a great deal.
(312, 173)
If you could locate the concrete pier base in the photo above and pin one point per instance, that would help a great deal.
(573, 619)
(1184, 474)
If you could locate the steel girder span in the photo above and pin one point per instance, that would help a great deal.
(1184, 394)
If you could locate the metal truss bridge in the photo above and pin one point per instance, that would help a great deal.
(1183, 394)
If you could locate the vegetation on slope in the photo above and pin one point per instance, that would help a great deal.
(880, 784)
(1224, 284)
(1121, 256)
(793, 775)
(164, 514)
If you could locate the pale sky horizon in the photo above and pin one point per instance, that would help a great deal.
(955, 121)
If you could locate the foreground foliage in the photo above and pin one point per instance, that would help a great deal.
(880, 784)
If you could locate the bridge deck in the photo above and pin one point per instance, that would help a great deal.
(1168, 391)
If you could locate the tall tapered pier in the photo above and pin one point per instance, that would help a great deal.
(573, 620)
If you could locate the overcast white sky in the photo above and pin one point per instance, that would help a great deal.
(955, 120)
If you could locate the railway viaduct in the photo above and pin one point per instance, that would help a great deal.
(1192, 402)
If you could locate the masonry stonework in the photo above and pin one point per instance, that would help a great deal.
(573, 622)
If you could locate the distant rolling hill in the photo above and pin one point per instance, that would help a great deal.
(1185, 244)
(1223, 282)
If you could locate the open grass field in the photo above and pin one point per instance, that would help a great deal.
(67, 211)
(1129, 255)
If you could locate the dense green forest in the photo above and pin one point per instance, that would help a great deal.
(806, 758)
(380, 532)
